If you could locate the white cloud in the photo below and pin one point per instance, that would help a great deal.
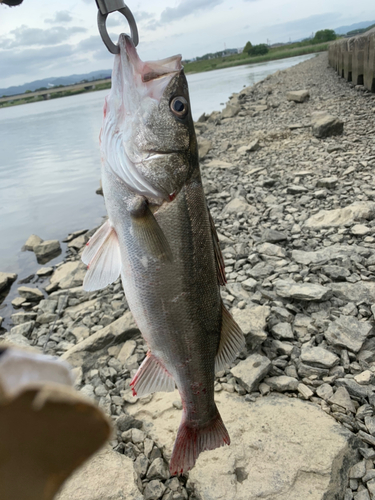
(61, 16)
(25, 36)
(187, 8)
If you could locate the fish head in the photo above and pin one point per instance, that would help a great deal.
(148, 137)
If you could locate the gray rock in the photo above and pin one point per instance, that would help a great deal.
(239, 205)
(327, 182)
(342, 398)
(370, 424)
(282, 331)
(336, 272)
(282, 383)
(326, 126)
(32, 241)
(31, 294)
(126, 422)
(44, 271)
(69, 275)
(141, 465)
(252, 321)
(87, 352)
(305, 391)
(361, 495)
(273, 236)
(254, 477)
(204, 146)
(355, 292)
(126, 351)
(318, 356)
(230, 110)
(154, 490)
(24, 329)
(272, 250)
(298, 95)
(360, 230)
(6, 279)
(324, 391)
(358, 470)
(22, 317)
(47, 250)
(252, 146)
(356, 390)
(107, 476)
(341, 216)
(348, 332)
(250, 372)
(158, 470)
(301, 291)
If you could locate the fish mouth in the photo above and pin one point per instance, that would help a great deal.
(150, 76)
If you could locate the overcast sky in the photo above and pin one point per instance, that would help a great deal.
(49, 38)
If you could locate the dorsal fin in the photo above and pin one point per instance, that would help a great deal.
(102, 257)
(220, 266)
(232, 340)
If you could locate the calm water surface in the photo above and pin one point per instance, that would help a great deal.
(50, 167)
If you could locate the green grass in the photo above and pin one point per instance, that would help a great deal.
(240, 59)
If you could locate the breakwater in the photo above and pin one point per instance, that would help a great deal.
(354, 59)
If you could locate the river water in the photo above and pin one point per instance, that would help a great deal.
(50, 167)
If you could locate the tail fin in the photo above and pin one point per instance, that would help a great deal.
(191, 441)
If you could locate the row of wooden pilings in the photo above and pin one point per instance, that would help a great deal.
(354, 59)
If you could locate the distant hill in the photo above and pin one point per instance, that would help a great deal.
(343, 30)
(51, 82)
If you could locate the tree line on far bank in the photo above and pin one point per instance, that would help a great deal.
(320, 37)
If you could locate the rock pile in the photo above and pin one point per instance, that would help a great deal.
(296, 221)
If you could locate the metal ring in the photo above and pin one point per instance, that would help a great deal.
(114, 48)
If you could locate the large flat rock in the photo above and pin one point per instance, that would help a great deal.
(364, 210)
(107, 476)
(280, 448)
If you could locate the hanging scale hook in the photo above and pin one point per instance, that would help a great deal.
(106, 7)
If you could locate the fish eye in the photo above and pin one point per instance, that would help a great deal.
(179, 106)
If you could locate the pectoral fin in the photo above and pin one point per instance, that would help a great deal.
(147, 231)
(220, 266)
(232, 340)
(102, 257)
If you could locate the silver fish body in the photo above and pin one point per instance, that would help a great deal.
(161, 239)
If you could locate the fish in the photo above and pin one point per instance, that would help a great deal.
(161, 239)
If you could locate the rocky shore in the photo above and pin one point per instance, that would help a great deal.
(288, 174)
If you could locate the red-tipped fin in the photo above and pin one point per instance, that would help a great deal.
(191, 441)
(151, 377)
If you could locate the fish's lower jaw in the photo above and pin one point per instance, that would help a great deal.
(191, 441)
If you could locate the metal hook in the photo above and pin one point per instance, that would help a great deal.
(106, 7)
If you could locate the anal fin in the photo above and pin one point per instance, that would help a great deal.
(232, 340)
(220, 266)
(151, 377)
(148, 232)
(102, 257)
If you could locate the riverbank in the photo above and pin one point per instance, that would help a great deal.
(241, 59)
(190, 68)
(295, 213)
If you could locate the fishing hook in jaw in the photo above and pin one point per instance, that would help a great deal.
(106, 7)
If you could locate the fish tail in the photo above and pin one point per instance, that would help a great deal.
(192, 440)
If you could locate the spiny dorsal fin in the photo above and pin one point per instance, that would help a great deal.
(232, 340)
(220, 266)
(102, 257)
(151, 377)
